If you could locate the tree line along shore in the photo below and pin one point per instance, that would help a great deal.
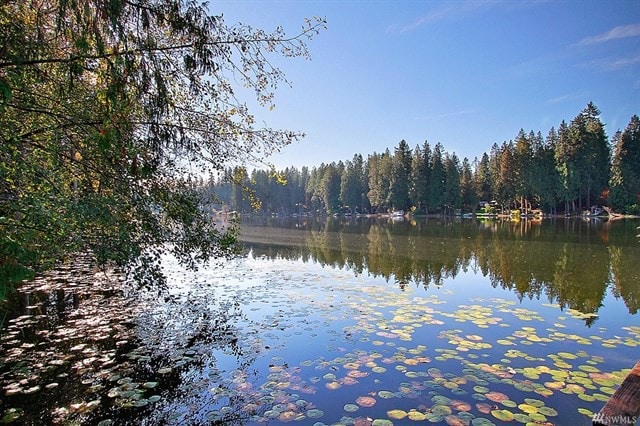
(574, 170)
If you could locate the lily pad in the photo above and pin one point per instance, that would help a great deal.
(534, 402)
(365, 401)
(496, 396)
(350, 408)
(538, 417)
(442, 410)
(547, 411)
(503, 415)
(386, 394)
(522, 418)
(586, 412)
(481, 421)
(397, 414)
(315, 413)
(416, 416)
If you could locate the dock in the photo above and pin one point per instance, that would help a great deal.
(623, 408)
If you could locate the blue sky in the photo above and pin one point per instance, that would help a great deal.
(466, 73)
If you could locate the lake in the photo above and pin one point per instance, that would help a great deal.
(339, 321)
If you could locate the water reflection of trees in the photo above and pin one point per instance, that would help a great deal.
(572, 263)
(80, 347)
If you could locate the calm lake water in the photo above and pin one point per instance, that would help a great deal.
(333, 321)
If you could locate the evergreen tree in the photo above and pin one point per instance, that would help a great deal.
(547, 180)
(400, 177)
(494, 170)
(366, 205)
(351, 184)
(312, 191)
(452, 196)
(421, 166)
(380, 170)
(359, 167)
(374, 194)
(385, 173)
(523, 168)
(567, 165)
(625, 170)
(583, 154)
(482, 179)
(330, 187)
(435, 194)
(506, 184)
(299, 198)
(467, 186)
(415, 186)
(597, 155)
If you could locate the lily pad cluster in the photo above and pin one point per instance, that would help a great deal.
(296, 343)
(57, 356)
(460, 390)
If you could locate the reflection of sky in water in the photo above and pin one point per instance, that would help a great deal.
(306, 321)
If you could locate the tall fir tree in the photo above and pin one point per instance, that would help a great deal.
(467, 186)
(482, 179)
(506, 185)
(416, 191)
(379, 166)
(567, 164)
(597, 155)
(523, 168)
(452, 191)
(422, 172)
(625, 170)
(351, 184)
(547, 179)
(330, 187)
(400, 177)
(435, 200)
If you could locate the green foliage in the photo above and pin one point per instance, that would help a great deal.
(420, 176)
(380, 169)
(330, 187)
(506, 179)
(435, 188)
(452, 189)
(556, 174)
(625, 174)
(468, 195)
(482, 179)
(109, 111)
(582, 158)
(352, 184)
(400, 177)
(488, 210)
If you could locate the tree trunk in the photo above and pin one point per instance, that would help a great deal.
(580, 202)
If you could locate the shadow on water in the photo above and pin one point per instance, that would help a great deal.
(81, 347)
(572, 262)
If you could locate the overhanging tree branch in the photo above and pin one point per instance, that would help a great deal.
(137, 51)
